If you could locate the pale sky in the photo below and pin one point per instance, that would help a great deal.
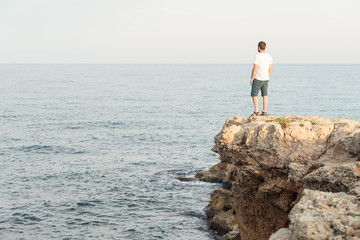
(178, 31)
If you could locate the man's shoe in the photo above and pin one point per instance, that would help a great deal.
(264, 114)
(255, 114)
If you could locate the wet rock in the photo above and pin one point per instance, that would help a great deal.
(185, 179)
(218, 173)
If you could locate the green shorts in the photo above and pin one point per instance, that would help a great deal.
(259, 85)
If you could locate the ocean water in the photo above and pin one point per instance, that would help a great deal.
(94, 151)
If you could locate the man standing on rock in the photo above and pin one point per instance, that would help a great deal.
(260, 78)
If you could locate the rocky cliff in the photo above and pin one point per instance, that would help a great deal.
(293, 177)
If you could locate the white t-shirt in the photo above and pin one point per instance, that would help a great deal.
(263, 60)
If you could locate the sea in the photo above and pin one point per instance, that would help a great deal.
(95, 151)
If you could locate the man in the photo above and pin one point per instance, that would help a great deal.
(260, 77)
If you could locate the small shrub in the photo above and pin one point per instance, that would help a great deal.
(301, 125)
(284, 122)
(313, 122)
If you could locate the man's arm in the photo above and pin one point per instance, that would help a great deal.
(270, 69)
(253, 73)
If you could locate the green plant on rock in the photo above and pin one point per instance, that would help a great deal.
(313, 122)
(284, 122)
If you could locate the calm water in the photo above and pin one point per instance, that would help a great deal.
(93, 151)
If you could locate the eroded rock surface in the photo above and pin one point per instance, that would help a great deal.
(218, 173)
(281, 234)
(322, 215)
(221, 213)
(274, 159)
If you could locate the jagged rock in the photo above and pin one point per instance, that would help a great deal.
(276, 158)
(221, 212)
(233, 235)
(342, 178)
(281, 234)
(221, 209)
(323, 216)
(185, 179)
(218, 173)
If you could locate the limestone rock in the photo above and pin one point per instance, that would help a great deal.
(323, 215)
(233, 235)
(221, 212)
(274, 159)
(218, 173)
(341, 178)
(281, 234)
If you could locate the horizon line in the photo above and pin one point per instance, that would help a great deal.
(173, 63)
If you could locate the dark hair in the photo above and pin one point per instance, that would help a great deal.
(262, 45)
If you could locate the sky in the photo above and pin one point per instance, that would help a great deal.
(179, 31)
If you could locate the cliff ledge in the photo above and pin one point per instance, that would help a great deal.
(293, 177)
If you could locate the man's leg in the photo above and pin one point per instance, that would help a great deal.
(254, 93)
(264, 94)
(265, 103)
(256, 103)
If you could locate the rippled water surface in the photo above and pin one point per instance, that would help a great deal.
(94, 151)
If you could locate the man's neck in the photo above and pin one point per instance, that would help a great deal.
(262, 51)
